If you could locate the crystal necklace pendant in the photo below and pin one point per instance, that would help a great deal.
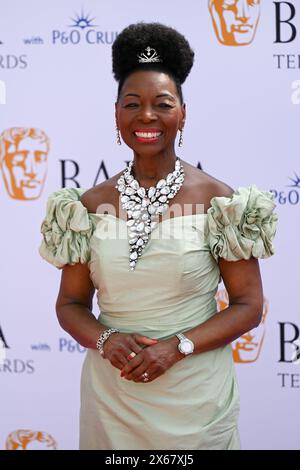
(143, 206)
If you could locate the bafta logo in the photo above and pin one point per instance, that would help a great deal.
(23, 161)
(234, 21)
(26, 439)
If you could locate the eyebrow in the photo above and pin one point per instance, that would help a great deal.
(157, 96)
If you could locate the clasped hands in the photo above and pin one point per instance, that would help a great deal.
(140, 358)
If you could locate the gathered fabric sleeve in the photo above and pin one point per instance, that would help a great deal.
(242, 225)
(66, 229)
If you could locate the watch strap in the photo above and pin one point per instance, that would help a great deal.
(180, 336)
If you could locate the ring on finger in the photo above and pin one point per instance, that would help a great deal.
(145, 376)
(131, 356)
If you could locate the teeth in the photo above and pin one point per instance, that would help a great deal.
(148, 135)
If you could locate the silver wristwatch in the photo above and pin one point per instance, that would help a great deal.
(185, 346)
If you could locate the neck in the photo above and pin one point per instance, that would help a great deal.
(149, 170)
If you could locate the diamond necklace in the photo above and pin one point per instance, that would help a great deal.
(144, 206)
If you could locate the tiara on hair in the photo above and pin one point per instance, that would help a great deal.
(150, 55)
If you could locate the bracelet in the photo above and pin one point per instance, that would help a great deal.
(103, 337)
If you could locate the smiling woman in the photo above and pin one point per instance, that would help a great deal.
(154, 101)
(164, 378)
(149, 88)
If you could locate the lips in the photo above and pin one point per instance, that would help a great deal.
(242, 28)
(30, 184)
(149, 133)
(148, 136)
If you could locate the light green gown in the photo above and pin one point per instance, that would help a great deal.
(195, 404)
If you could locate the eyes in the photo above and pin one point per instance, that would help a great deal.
(160, 105)
(229, 3)
(40, 157)
(19, 158)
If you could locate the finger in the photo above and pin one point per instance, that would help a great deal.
(117, 359)
(134, 346)
(136, 374)
(145, 340)
(150, 378)
(130, 356)
(134, 349)
(123, 361)
(117, 363)
(131, 365)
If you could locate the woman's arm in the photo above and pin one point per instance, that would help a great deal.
(243, 283)
(74, 305)
(74, 312)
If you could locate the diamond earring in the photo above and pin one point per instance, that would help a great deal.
(180, 143)
(118, 136)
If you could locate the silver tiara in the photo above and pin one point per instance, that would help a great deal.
(150, 55)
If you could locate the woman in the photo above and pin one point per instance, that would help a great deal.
(149, 388)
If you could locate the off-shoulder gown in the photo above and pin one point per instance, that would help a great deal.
(195, 404)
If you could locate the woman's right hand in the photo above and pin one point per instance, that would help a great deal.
(119, 345)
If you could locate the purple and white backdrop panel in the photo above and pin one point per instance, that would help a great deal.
(242, 100)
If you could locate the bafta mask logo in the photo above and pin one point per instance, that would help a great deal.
(23, 161)
(234, 21)
(25, 439)
(247, 348)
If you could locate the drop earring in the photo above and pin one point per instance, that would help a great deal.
(180, 143)
(118, 139)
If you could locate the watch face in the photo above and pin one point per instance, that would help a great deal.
(186, 347)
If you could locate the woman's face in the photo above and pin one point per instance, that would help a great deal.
(149, 112)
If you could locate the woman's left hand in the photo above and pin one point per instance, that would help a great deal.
(153, 360)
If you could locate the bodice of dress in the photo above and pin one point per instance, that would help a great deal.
(176, 278)
(176, 273)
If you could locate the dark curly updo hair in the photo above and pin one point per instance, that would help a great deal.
(173, 49)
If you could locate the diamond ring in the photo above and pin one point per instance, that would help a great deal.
(131, 356)
(145, 375)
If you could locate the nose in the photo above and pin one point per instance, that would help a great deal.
(242, 13)
(147, 114)
(29, 166)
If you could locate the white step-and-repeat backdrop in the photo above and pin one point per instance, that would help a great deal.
(56, 87)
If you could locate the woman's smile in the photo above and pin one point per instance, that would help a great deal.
(149, 135)
(149, 114)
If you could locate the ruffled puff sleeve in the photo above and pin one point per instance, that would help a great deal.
(242, 225)
(66, 229)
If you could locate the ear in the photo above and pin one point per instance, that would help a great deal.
(183, 110)
(116, 111)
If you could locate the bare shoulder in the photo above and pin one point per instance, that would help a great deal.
(101, 194)
(203, 186)
(216, 187)
(212, 185)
